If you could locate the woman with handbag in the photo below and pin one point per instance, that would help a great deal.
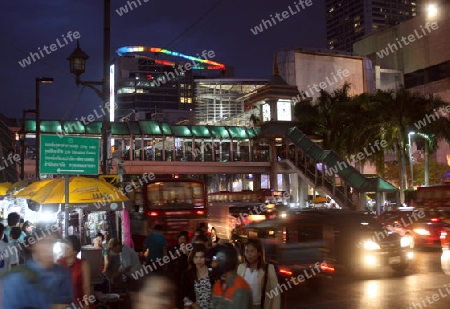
(260, 275)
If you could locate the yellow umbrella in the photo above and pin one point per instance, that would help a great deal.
(31, 190)
(18, 186)
(320, 199)
(4, 186)
(88, 193)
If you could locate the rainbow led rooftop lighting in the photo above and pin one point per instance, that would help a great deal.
(209, 65)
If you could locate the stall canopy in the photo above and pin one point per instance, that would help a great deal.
(18, 186)
(32, 189)
(4, 186)
(91, 194)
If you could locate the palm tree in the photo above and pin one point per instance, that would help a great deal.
(323, 118)
(350, 124)
(395, 114)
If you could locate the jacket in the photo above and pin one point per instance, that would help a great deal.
(271, 301)
(233, 294)
(187, 284)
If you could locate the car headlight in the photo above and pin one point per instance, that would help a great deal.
(422, 232)
(405, 241)
(371, 245)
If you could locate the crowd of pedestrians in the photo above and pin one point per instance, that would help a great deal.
(211, 275)
(197, 273)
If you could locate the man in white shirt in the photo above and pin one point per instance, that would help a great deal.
(5, 254)
(130, 264)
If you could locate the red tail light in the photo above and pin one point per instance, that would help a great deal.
(327, 268)
(200, 212)
(285, 272)
(443, 234)
(153, 213)
(435, 220)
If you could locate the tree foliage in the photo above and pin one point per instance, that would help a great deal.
(349, 124)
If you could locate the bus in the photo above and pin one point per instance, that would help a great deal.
(432, 196)
(175, 203)
(229, 212)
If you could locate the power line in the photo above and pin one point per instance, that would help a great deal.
(39, 60)
(168, 45)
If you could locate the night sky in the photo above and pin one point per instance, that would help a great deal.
(30, 24)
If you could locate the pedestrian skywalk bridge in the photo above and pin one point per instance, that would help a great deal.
(326, 171)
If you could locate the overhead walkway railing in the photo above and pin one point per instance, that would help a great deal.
(140, 128)
(322, 166)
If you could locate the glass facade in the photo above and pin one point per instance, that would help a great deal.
(220, 99)
(143, 85)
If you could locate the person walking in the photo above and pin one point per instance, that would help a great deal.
(5, 257)
(79, 270)
(27, 228)
(260, 275)
(130, 264)
(39, 283)
(157, 292)
(156, 244)
(197, 281)
(231, 291)
(16, 251)
(179, 263)
(13, 221)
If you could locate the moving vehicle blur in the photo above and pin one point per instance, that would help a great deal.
(432, 196)
(339, 240)
(423, 226)
(229, 212)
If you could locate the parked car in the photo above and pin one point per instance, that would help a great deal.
(423, 227)
(339, 240)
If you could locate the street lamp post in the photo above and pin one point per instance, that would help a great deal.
(77, 60)
(39, 81)
(22, 137)
(411, 158)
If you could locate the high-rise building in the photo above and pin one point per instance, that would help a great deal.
(152, 86)
(349, 20)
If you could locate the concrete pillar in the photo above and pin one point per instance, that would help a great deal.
(202, 148)
(273, 162)
(303, 192)
(231, 151)
(131, 148)
(163, 141)
(362, 201)
(245, 182)
(295, 189)
(273, 109)
(286, 185)
(143, 150)
(256, 182)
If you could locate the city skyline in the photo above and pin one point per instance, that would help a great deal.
(225, 29)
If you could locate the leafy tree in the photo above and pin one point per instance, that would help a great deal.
(436, 171)
(351, 124)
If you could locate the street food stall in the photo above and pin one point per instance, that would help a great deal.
(94, 206)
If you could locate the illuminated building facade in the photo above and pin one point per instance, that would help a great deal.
(152, 87)
(219, 100)
(348, 21)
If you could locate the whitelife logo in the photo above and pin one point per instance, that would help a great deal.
(53, 47)
(265, 24)
(406, 40)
